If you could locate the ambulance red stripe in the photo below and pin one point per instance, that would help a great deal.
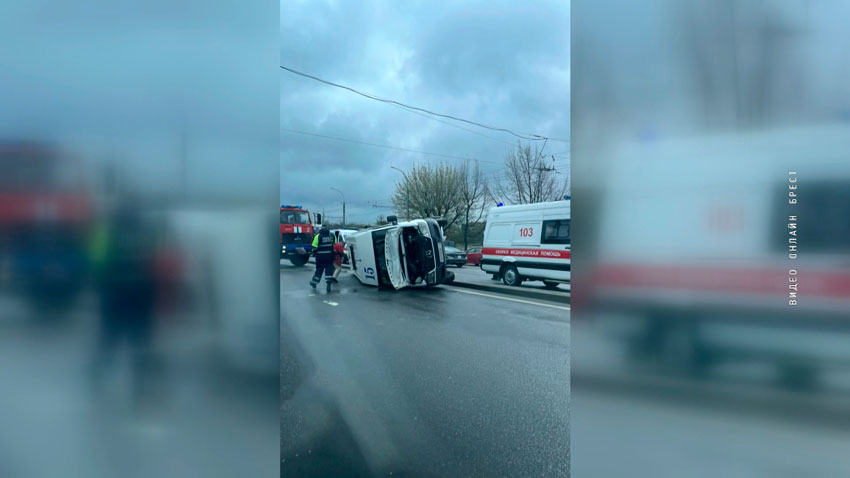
(812, 283)
(512, 252)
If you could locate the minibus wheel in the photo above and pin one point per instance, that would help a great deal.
(510, 276)
(299, 260)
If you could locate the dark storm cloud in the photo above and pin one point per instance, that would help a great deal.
(499, 63)
(501, 46)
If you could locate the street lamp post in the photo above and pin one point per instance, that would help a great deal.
(343, 205)
(406, 189)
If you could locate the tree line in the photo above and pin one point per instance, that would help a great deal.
(463, 193)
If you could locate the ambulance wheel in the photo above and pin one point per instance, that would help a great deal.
(550, 284)
(298, 260)
(510, 276)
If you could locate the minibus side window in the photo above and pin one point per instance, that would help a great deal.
(556, 232)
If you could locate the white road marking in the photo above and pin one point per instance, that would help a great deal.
(330, 302)
(541, 304)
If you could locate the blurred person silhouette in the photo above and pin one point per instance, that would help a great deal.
(168, 273)
(122, 253)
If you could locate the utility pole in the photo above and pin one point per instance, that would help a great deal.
(406, 189)
(343, 205)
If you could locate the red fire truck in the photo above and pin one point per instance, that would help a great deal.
(45, 212)
(296, 233)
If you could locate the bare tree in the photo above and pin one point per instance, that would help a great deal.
(473, 193)
(745, 60)
(430, 191)
(529, 179)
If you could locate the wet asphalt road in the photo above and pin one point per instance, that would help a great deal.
(206, 418)
(421, 382)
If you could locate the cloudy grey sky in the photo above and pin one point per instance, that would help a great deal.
(126, 81)
(501, 63)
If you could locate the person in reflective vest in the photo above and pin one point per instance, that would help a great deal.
(323, 245)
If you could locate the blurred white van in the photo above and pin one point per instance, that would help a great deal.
(702, 268)
(232, 275)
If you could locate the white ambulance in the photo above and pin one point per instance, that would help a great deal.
(528, 242)
(400, 254)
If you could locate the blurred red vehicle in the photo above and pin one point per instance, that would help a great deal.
(45, 212)
(473, 256)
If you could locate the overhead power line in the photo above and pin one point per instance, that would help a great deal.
(542, 149)
(456, 126)
(531, 137)
(385, 146)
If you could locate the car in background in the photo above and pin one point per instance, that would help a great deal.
(473, 256)
(455, 256)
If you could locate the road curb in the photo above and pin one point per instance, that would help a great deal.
(514, 291)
